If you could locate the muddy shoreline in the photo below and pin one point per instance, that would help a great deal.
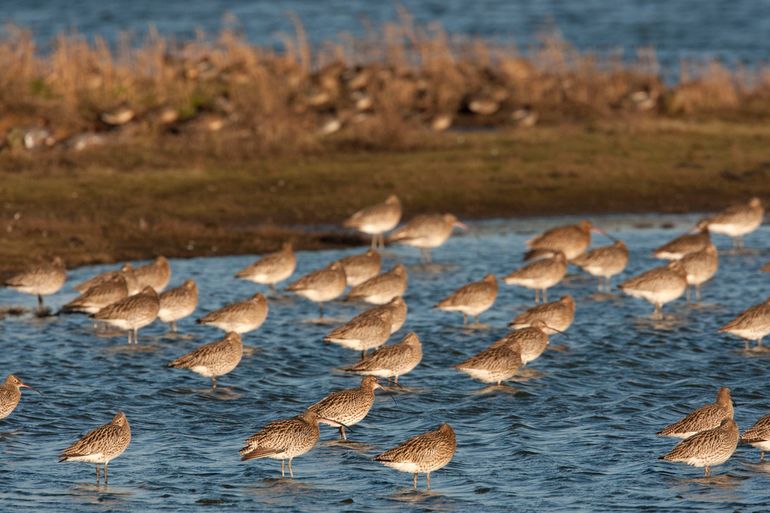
(103, 209)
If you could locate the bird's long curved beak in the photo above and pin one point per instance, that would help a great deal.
(24, 385)
(336, 422)
(602, 232)
(461, 225)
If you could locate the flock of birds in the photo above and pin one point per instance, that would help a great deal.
(132, 298)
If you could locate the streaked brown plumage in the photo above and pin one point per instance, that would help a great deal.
(359, 268)
(572, 240)
(156, 274)
(132, 313)
(540, 275)
(347, 407)
(283, 439)
(101, 445)
(397, 308)
(708, 448)
(705, 417)
(472, 299)
(10, 394)
(392, 361)
(685, 244)
(658, 286)
(738, 220)
(214, 359)
(422, 454)
(700, 266)
(99, 296)
(494, 364)
(178, 303)
(126, 271)
(240, 317)
(383, 287)
(367, 330)
(752, 324)
(557, 315)
(40, 279)
(426, 232)
(321, 285)
(271, 268)
(604, 262)
(530, 342)
(377, 219)
(758, 436)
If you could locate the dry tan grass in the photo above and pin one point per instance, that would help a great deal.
(385, 90)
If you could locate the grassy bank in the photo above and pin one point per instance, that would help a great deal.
(140, 200)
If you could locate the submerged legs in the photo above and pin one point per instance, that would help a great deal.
(342, 433)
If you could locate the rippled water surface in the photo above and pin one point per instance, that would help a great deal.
(578, 435)
(733, 31)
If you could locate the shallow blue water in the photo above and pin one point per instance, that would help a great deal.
(732, 31)
(578, 436)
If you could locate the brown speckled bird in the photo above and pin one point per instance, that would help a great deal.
(321, 285)
(758, 436)
(156, 274)
(397, 308)
(658, 286)
(377, 219)
(178, 303)
(700, 267)
(422, 454)
(347, 407)
(492, 365)
(240, 317)
(572, 240)
(705, 417)
(738, 220)
(126, 272)
(752, 324)
(101, 445)
(604, 262)
(557, 315)
(132, 313)
(540, 275)
(382, 288)
(214, 359)
(99, 296)
(271, 268)
(685, 244)
(367, 330)
(472, 299)
(530, 342)
(392, 361)
(40, 279)
(359, 268)
(284, 439)
(708, 448)
(426, 232)
(10, 394)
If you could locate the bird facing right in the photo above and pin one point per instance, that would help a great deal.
(707, 448)
(422, 454)
(10, 394)
(101, 445)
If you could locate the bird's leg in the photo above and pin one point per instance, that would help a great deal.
(172, 325)
(537, 296)
(213, 383)
(136, 335)
(291, 471)
(390, 378)
(106, 479)
(363, 354)
(273, 289)
(414, 481)
(599, 287)
(656, 314)
(321, 310)
(39, 303)
(97, 473)
(697, 293)
(129, 337)
(745, 344)
(708, 471)
(396, 379)
(342, 433)
(759, 342)
(428, 476)
(761, 455)
(465, 319)
(283, 468)
(687, 294)
(374, 241)
(545, 295)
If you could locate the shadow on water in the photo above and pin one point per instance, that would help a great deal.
(349, 445)
(497, 389)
